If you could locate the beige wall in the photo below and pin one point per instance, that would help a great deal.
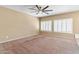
(73, 15)
(16, 25)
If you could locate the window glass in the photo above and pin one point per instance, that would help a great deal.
(46, 25)
(63, 25)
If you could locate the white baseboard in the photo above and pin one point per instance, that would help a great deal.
(17, 38)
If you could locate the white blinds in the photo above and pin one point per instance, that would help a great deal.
(46, 25)
(63, 25)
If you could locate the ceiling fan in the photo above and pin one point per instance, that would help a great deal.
(39, 9)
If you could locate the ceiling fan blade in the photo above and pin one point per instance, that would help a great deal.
(46, 13)
(45, 8)
(37, 7)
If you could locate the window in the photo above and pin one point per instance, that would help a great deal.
(46, 25)
(63, 25)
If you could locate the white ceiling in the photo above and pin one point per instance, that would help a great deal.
(57, 9)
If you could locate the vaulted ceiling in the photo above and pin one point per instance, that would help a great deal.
(57, 9)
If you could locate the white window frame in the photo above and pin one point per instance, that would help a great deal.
(46, 25)
(63, 26)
